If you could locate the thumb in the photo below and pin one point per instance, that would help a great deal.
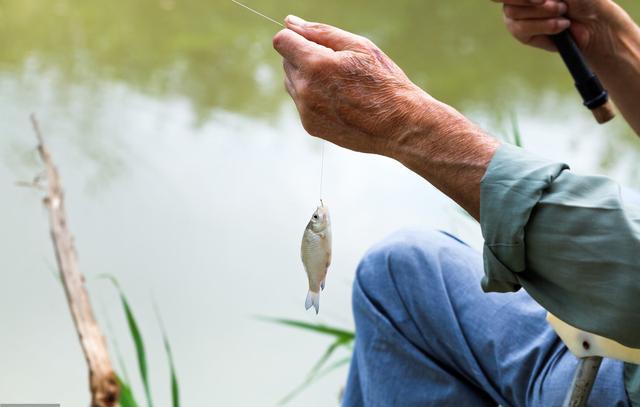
(327, 35)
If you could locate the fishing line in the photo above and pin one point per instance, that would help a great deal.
(321, 170)
(258, 13)
(322, 145)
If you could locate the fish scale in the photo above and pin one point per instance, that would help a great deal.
(313, 252)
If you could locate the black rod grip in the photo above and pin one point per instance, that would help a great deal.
(589, 86)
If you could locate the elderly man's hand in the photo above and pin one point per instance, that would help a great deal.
(349, 92)
(593, 22)
(607, 35)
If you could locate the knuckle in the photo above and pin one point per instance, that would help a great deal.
(367, 43)
(318, 27)
(354, 65)
(555, 8)
(508, 11)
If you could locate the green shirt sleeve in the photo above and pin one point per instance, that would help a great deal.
(571, 241)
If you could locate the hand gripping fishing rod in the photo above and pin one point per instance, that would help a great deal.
(593, 94)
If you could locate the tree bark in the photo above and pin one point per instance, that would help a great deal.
(102, 380)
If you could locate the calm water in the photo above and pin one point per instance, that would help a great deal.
(189, 177)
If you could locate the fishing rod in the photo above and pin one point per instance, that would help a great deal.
(594, 96)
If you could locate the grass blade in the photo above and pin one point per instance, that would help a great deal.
(343, 338)
(316, 373)
(175, 389)
(139, 344)
(126, 395)
(336, 365)
(137, 339)
(318, 328)
(325, 357)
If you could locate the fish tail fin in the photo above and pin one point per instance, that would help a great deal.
(313, 300)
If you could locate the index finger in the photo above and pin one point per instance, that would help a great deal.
(295, 48)
(327, 35)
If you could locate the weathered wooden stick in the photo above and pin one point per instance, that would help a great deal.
(102, 380)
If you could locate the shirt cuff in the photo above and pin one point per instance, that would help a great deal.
(512, 186)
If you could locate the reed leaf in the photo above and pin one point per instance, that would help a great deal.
(318, 328)
(175, 388)
(343, 339)
(316, 373)
(126, 395)
(137, 339)
(325, 357)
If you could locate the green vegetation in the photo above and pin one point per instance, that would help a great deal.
(342, 339)
(127, 398)
(175, 389)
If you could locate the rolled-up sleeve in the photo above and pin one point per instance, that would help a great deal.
(571, 241)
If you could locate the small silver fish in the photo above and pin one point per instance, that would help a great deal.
(316, 254)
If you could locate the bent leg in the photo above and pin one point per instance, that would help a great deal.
(428, 335)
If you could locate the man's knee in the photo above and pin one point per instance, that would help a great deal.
(404, 259)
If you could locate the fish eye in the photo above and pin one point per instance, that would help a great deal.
(315, 216)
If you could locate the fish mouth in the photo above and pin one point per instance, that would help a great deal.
(322, 211)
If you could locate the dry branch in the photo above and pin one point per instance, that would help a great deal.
(102, 380)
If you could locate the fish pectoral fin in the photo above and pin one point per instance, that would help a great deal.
(322, 284)
(313, 300)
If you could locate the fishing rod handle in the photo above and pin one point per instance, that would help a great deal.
(594, 96)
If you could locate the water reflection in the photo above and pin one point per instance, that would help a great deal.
(458, 50)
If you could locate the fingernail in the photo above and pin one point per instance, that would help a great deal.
(295, 20)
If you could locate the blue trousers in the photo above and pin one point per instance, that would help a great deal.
(426, 335)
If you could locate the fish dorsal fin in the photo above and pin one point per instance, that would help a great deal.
(584, 344)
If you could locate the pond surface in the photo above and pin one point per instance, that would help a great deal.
(189, 178)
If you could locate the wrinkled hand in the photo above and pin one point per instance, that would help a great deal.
(346, 90)
(592, 22)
